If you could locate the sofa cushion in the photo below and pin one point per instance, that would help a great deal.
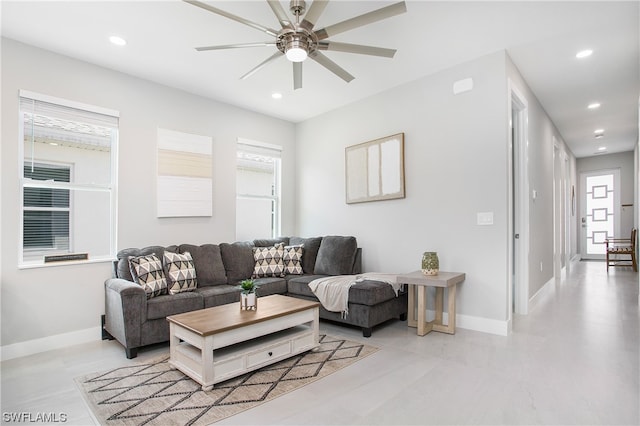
(269, 286)
(172, 304)
(180, 272)
(292, 259)
(311, 246)
(268, 261)
(268, 242)
(147, 271)
(336, 255)
(299, 286)
(217, 295)
(238, 260)
(367, 292)
(208, 262)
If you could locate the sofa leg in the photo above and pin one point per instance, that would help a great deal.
(366, 331)
(403, 317)
(131, 352)
(105, 333)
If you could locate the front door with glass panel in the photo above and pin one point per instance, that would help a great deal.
(600, 217)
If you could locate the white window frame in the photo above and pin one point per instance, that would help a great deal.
(110, 187)
(273, 151)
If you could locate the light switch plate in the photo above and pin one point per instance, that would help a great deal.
(485, 218)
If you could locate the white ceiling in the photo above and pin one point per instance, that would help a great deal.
(542, 39)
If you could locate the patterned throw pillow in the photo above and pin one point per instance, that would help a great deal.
(268, 261)
(180, 271)
(293, 260)
(147, 271)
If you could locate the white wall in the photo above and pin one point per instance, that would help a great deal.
(38, 303)
(540, 146)
(455, 166)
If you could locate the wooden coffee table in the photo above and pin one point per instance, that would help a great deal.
(216, 344)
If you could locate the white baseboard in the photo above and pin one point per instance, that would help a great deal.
(546, 289)
(484, 325)
(30, 347)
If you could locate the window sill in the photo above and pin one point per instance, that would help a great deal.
(40, 264)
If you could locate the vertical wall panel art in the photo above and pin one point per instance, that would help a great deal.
(185, 166)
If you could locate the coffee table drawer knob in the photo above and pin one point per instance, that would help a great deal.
(267, 354)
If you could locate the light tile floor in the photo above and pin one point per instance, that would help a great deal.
(573, 360)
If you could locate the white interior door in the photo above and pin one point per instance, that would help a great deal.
(600, 217)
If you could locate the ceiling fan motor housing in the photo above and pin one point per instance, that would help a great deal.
(297, 38)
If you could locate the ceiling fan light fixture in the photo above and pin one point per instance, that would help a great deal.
(296, 49)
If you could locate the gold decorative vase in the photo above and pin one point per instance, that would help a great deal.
(430, 263)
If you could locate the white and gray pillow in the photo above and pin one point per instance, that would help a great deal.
(292, 259)
(180, 272)
(147, 271)
(268, 261)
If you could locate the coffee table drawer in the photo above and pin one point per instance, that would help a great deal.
(229, 367)
(268, 354)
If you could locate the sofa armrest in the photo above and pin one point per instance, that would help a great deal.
(125, 311)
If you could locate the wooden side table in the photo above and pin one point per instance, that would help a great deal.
(418, 281)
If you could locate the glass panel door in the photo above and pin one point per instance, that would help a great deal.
(600, 216)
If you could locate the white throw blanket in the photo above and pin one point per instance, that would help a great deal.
(333, 292)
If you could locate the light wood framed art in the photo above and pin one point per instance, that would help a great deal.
(374, 170)
(185, 174)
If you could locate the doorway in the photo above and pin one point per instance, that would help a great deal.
(518, 247)
(600, 211)
(561, 215)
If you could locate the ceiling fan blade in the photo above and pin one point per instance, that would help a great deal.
(312, 15)
(262, 65)
(278, 10)
(331, 66)
(234, 46)
(356, 48)
(220, 12)
(359, 21)
(297, 75)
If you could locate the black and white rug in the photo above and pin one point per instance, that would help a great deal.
(155, 394)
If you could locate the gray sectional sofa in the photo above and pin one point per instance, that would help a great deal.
(136, 320)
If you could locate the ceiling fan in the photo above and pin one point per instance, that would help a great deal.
(297, 40)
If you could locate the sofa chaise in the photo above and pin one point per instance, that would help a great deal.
(135, 314)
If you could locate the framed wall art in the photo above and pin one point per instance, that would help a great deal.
(184, 181)
(375, 170)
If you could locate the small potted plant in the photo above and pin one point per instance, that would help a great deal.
(248, 297)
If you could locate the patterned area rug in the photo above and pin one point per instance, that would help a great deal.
(154, 394)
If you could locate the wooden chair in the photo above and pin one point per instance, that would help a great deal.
(622, 251)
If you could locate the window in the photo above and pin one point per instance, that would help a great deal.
(257, 190)
(68, 179)
(46, 210)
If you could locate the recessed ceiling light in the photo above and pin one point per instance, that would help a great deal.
(276, 95)
(598, 131)
(118, 41)
(584, 53)
(602, 148)
(594, 105)
(599, 136)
